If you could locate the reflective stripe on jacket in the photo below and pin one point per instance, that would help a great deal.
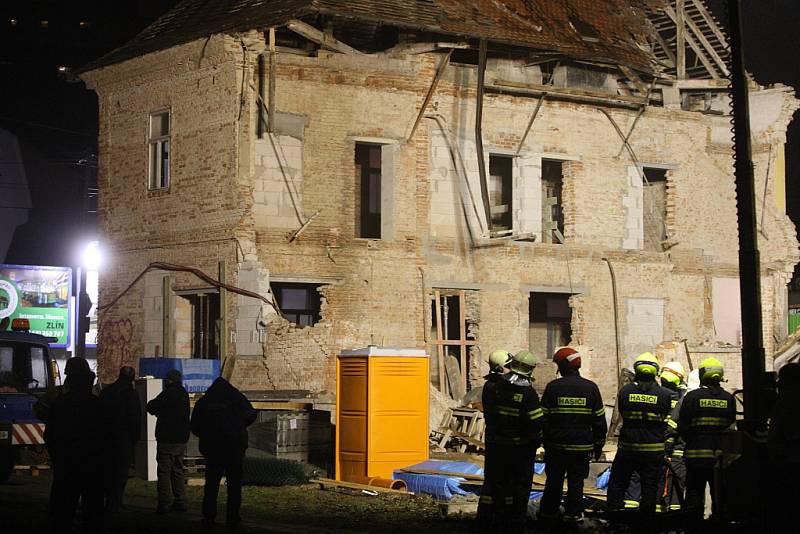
(576, 418)
(512, 412)
(704, 414)
(644, 407)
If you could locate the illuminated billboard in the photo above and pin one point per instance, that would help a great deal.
(39, 294)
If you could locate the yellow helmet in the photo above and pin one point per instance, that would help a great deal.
(711, 369)
(672, 373)
(646, 364)
(499, 359)
(523, 363)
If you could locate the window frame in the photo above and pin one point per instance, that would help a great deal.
(313, 302)
(364, 196)
(159, 183)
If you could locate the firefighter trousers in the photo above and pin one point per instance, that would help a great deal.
(509, 487)
(558, 464)
(648, 465)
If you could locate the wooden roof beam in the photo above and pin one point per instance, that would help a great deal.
(703, 41)
(324, 40)
(693, 45)
(712, 24)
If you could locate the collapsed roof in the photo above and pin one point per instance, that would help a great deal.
(604, 31)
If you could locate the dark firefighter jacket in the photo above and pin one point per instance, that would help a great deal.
(122, 414)
(512, 412)
(705, 413)
(644, 407)
(220, 419)
(575, 417)
(171, 407)
(674, 442)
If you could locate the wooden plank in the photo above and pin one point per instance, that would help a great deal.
(437, 77)
(322, 39)
(681, 36)
(550, 90)
(328, 483)
(439, 347)
(708, 46)
(454, 378)
(711, 23)
(530, 122)
(455, 342)
(462, 304)
(688, 39)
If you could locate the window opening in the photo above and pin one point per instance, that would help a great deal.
(23, 368)
(449, 320)
(368, 170)
(550, 322)
(552, 209)
(205, 325)
(299, 303)
(159, 147)
(654, 198)
(501, 192)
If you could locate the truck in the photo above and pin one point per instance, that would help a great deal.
(27, 373)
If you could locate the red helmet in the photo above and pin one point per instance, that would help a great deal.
(568, 357)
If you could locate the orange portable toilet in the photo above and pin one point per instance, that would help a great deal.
(381, 411)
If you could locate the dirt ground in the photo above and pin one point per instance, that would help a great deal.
(303, 509)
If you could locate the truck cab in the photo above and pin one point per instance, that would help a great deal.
(26, 374)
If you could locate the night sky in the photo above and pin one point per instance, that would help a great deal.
(56, 119)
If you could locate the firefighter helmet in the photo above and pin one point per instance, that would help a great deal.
(646, 364)
(498, 360)
(522, 363)
(672, 373)
(711, 369)
(568, 358)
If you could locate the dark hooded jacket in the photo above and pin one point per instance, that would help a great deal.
(171, 407)
(220, 419)
(73, 434)
(122, 414)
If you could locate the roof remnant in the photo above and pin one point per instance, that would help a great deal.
(607, 31)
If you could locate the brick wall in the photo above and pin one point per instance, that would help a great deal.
(230, 199)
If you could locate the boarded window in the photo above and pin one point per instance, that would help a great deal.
(300, 303)
(550, 322)
(552, 209)
(655, 209)
(368, 170)
(501, 191)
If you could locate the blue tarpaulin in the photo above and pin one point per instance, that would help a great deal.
(444, 487)
(197, 374)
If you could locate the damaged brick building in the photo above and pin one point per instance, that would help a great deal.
(324, 154)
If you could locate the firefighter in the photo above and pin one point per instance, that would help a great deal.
(644, 407)
(673, 480)
(514, 432)
(704, 414)
(499, 361)
(575, 428)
